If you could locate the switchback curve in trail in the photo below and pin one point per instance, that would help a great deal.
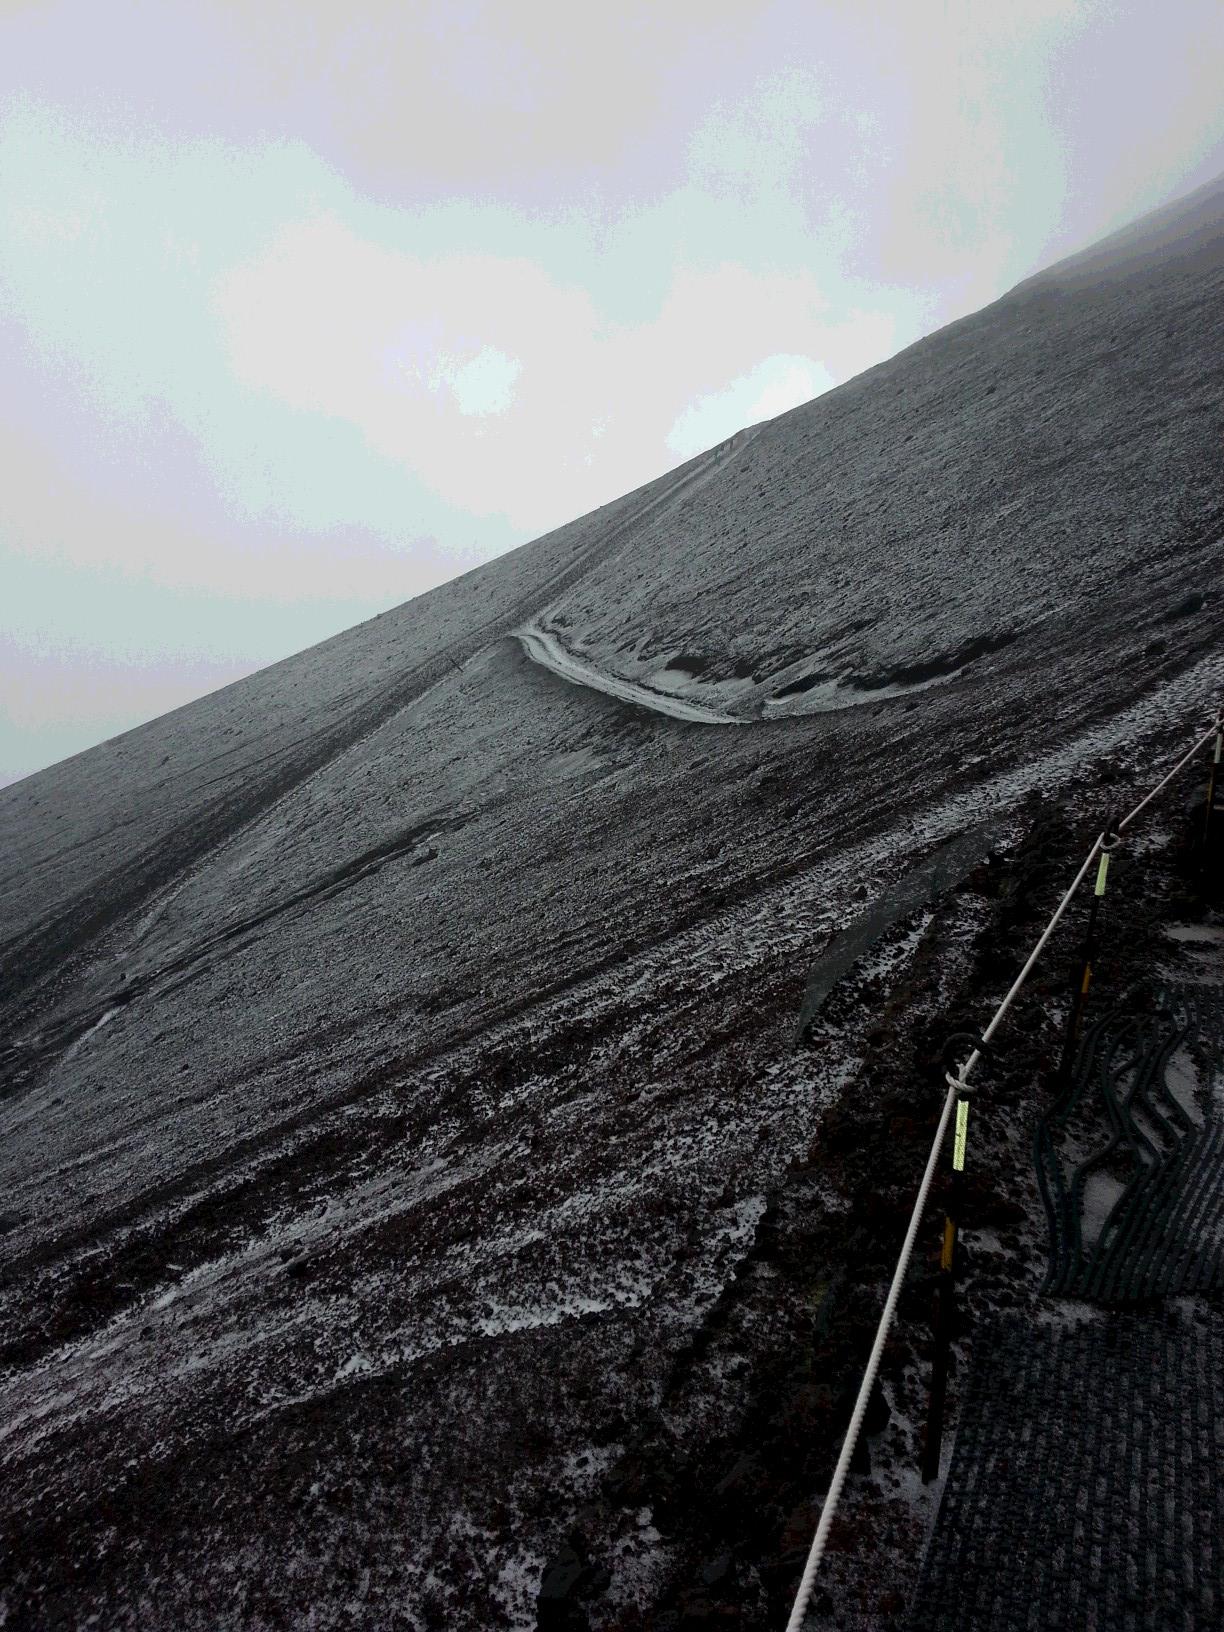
(544, 648)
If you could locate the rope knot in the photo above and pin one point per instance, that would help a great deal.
(956, 1075)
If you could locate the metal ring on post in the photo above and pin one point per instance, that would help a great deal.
(974, 1043)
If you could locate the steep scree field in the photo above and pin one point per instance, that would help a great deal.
(397, 1046)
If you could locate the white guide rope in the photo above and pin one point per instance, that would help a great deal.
(869, 1377)
(1165, 780)
(956, 1085)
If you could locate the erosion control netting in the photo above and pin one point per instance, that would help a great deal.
(1083, 1489)
(1130, 1163)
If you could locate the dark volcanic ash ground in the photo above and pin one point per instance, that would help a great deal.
(408, 1168)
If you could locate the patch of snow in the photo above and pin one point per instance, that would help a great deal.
(544, 648)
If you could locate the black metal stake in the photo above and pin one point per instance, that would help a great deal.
(945, 1321)
(1213, 776)
(1080, 1000)
(945, 1290)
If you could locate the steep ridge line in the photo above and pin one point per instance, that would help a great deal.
(603, 548)
(957, 1095)
(544, 646)
(33, 954)
(74, 933)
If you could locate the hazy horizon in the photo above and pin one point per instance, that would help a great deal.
(300, 322)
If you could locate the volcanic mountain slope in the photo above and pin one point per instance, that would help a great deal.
(397, 1044)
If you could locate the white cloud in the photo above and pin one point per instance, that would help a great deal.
(501, 388)
(299, 295)
(772, 387)
(485, 384)
(410, 349)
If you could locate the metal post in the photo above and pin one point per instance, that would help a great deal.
(945, 1291)
(1213, 777)
(1088, 957)
(945, 1316)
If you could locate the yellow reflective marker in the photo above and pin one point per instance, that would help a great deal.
(949, 1243)
(1087, 980)
(962, 1130)
(1102, 871)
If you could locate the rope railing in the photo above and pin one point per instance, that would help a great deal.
(957, 1095)
(1214, 730)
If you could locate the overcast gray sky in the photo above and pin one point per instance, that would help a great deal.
(307, 306)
